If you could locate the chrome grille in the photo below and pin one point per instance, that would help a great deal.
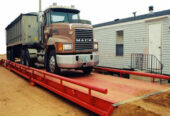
(84, 39)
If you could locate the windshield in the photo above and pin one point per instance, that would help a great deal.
(65, 17)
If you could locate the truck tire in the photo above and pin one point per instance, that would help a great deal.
(8, 54)
(52, 63)
(22, 57)
(28, 60)
(11, 56)
(87, 70)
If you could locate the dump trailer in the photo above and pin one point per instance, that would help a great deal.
(56, 38)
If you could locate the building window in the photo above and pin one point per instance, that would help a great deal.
(119, 49)
(119, 43)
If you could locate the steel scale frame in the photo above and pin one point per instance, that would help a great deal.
(55, 84)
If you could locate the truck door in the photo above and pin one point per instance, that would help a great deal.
(46, 29)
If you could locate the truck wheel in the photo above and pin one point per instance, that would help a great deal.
(28, 60)
(8, 54)
(22, 57)
(12, 58)
(87, 70)
(52, 65)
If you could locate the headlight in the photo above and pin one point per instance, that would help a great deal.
(95, 45)
(67, 47)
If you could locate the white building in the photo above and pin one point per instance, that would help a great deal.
(146, 36)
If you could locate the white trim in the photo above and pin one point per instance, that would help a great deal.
(157, 18)
(131, 22)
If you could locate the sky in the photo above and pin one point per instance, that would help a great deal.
(97, 11)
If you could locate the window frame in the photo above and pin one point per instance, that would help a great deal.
(48, 21)
(121, 53)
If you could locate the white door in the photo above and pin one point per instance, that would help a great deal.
(155, 40)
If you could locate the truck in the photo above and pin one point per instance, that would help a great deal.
(56, 38)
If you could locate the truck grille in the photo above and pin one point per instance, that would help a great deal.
(84, 39)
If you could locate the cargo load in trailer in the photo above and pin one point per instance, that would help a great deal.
(57, 38)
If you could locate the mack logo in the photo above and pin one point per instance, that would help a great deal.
(83, 40)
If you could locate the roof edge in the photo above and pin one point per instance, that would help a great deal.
(140, 17)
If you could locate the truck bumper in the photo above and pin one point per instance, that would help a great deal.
(77, 61)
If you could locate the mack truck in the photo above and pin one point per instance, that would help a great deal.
(56, 38)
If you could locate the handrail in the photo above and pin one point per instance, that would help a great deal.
(134, 73)
(71, 81)
(146, 62)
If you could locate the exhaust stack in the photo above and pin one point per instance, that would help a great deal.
(39, 5)
(40, 21)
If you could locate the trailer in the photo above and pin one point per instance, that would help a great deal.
(98, 93)
(139, 42)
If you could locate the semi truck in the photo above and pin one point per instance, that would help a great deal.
(56, 38)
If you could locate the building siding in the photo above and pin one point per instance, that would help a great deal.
(166, 46)
(134, 35)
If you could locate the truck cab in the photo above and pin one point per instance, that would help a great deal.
(68, 41)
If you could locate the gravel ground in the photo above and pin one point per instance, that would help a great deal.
(18, 98)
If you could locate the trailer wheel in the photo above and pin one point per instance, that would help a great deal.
(8, 54)
(87, 70)
(27, 58)
(11, 56)
(28, 61)
(51, 64)
(22, 57)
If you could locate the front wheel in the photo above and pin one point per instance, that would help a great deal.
(52, 63)
(87, 70)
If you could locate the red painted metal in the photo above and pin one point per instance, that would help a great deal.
(55, 84)
(134, 73)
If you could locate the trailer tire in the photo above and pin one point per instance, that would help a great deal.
(8, 54)
(52, 63)
(87, 70)
(11, 55)
(22, 57)
(28, 60)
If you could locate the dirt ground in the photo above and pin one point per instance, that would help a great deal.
(157, 105)
(2, 56)
(18, 98)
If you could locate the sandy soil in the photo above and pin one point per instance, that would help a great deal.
(132, 110)
(152, 106)
(18, 98)
(2, 56)
(160, 99)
